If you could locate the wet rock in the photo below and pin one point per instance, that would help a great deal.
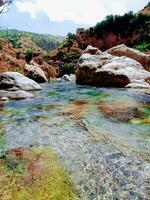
(70, 78)
(3, 101)
(123, 50)
(106, 70)
(66, 77)
(138, 84)
(35, 73)
(15, 79)
(19, 94)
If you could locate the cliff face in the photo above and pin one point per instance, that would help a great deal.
(129, 29)
(109, 40)
(11, 59)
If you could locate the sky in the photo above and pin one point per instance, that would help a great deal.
(58, 17)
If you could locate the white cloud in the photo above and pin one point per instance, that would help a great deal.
(78, 11)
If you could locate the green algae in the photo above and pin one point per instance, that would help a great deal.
(145, 116)
(11, 112)
(34, 174)
(52, 93)
(145, 111)
(96, 96)
(44, 107)
(2, 138)
(42, 118)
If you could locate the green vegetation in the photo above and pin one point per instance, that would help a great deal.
(46, 42)
(1, 46)
(34, 173)
(71, 36)
(67, 43)
(68, 51)
(96, 96)
(11, 35)
(29, 54)
(145, 116)
(143, 46)
(66, 69)
(43, 107)
(125, 26)
(145, 111)
(53, 93)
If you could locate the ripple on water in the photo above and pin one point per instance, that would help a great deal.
(106, 157)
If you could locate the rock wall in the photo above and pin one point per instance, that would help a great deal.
(109, 40)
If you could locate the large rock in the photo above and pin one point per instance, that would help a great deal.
(36, 73)
(123, 50)
(106, 70)
(69, 78)
(17, 80)
(92, 50)
(19, 94)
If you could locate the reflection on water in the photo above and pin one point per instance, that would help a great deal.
(101, 136)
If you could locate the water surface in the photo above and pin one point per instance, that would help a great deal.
(101, 136)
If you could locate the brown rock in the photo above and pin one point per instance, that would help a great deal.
(120, 111)
(11, 59)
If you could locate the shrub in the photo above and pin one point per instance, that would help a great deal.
(67, 43)
(15, 43)
(46, 57)
(66, 69)
(1, 46)
(124, 25)
(72, 36)
(144, 46)
(29, 54)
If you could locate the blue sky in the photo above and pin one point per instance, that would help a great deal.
(59, 17)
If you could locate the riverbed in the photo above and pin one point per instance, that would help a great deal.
(101, 136)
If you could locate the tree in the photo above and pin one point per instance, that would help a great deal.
(4, 5)
(71, 36)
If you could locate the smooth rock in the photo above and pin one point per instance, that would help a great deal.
(123, 50)
(17, 80)
(36, 73)
(19, 94)
(4, 99)
(106, 70)
(70, 78)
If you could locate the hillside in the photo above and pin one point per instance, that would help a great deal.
(130, 29)
(146, 9)
(37, 42)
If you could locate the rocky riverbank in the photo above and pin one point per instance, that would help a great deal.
(117, 67)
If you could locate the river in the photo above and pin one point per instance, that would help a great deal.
(101, 136)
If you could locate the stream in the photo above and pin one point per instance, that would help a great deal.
(101, 136)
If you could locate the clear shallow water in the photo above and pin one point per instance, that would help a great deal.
(106, 153)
